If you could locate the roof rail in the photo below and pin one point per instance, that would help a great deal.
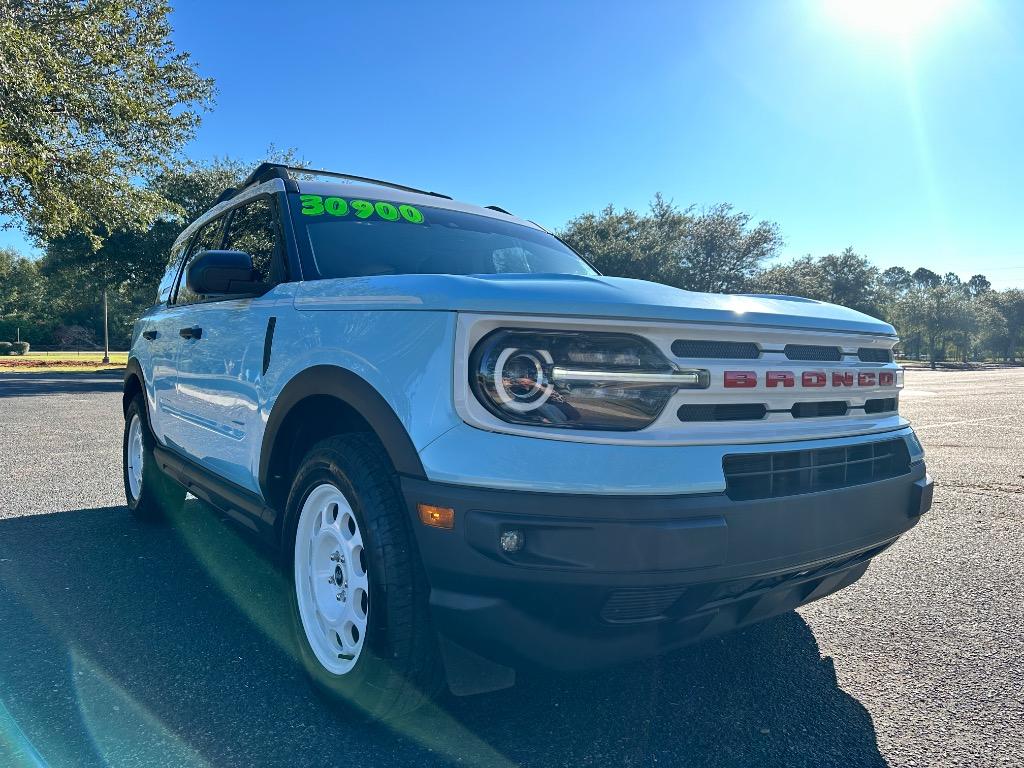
(267, 171)
(227, 194)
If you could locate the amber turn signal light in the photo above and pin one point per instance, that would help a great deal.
(436, 517)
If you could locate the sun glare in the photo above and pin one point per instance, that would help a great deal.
(899, 20)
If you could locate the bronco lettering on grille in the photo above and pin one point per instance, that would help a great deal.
(809, 379)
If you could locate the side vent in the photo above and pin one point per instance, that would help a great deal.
(268, 343)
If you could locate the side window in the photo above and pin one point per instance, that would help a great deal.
(166, 287)
(253, 229)
(208, 238)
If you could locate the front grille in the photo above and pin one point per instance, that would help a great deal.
(880, 405)
(813, 352)
(815, 410)
(771, 475)
(874, 355)
(728, 350)
(722, 412)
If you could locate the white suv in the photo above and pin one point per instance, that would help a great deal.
(475, 452)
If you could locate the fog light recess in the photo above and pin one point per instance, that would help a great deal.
(512, 541)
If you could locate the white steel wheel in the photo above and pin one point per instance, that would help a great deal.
(134, 456)
(332, 586)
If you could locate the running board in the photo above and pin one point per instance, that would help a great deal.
(240, 504)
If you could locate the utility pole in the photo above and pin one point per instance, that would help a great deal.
(106, 337)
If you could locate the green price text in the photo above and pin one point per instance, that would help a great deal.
(316, 205)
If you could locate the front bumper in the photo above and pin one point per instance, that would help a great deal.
(605, 579)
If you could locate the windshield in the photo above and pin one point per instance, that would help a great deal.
(355, 238)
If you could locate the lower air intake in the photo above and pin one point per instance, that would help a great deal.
(789, 473)
(639, 603)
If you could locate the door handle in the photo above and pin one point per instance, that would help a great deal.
(195, 332)
(149, 335)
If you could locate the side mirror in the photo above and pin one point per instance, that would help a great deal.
(223, 272)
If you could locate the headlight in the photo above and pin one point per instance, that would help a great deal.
(575, 379)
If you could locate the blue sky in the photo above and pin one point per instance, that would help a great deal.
(906, 146)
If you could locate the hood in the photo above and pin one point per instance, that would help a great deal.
(579, 296)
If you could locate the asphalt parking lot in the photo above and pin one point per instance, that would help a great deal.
(128, 644)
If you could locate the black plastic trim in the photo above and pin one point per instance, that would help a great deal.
(813, 353)
(266, 171)
(357, 393)
(580, 549)
(243, 505)
(873, 355)
(133, 369)
(290, 257)
(268, 343)
(816, 409)
(881, 405)
(752, 476)
(709, 349)
(700, 412)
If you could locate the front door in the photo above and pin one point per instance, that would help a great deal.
(220, 363)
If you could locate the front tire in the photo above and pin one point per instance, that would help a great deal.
(148, 492)
(359, 598)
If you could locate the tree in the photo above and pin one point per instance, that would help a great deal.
(130, 263)
(799, 277)
(722, 250)
(193, 187)
(978, 284)
(20, 288)
(940, 313)
(1009, 305)
(992, 333)
(74, 337)
(848, 279)
(628, 244)
(896, 279)
(713, 250)
(926, 278)
(93, 96)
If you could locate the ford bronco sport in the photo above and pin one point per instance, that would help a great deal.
(475, 452)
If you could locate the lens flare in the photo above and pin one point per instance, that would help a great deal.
(902, 20)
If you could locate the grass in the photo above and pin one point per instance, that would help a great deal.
(44, 362)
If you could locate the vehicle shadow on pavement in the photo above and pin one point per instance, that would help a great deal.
(130, 643)
(29, 384)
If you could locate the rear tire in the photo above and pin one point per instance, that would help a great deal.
(148, 492)
(359, 599)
